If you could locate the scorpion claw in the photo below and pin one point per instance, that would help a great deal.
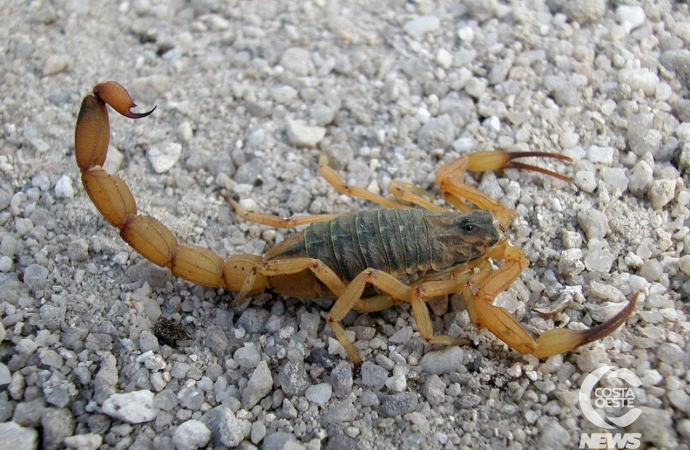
(563, 340)
(495, 160)
(115, 95)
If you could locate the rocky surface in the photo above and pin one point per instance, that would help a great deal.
(249, 94)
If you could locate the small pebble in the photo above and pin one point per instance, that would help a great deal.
(191, 435)
(398, 404)
(661, 192)
(164, 157)
(373, 375)
(88, 441)
(319, 393)
(226, 429)
(594, 223)
(132, 407)
(64, 187)
(298, 61)
(554, 436)
(55, 64)
(293, 378)
(302, 135)
(341, 412)
(422, 25)
(259, 385)
(17, 437)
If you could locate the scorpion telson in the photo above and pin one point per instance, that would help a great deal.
(448, 251)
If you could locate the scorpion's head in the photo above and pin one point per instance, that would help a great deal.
(457, 238)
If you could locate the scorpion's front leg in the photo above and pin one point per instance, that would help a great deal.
(502, 324)
(450, 179)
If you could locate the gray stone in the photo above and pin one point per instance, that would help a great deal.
(148, 342)
(226, 429)
(319, 393)
(421, 25)
(437, 133)
(434, 390)
(298, 61)
(248, 356)
(655, 426)
(373, 375)
(341, 377)
(279, 440)
(584, 11)
(164, 157)
(29, 414)
(259, 386)
(678, 62)
(191, 397)
(106, 379)
(57, 424)
(5, 375)
(661, 192)
(16, 437)
(341, 412)
(293, 378)
(166, 400)
(398, 404)
(190, 435)
(594, 223)
(554, 436)
(35, 276)
(179, 370)
(78, 250)
(253, 320)
(447, 360)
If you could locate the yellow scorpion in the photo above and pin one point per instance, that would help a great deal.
(410, 251)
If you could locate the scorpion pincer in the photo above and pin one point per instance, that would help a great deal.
(410, 251)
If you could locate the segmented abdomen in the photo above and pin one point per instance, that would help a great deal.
(393, 240)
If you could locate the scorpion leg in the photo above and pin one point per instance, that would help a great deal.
(502, 324)
(397, 290)
(280, 222)
(338, 183)
(450, 178)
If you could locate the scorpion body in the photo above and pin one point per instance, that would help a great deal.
(367, 261)
(401, 242)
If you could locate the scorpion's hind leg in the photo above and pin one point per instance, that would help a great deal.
(279, 222)
(450, 178)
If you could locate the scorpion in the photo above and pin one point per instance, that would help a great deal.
(410, 251)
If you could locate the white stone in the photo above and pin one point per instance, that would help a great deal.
(302, 135)
(164, 158)
(132, 407)
(422, 25)
(64, 188)
(630, 17)
(444, 58)
(602, 155)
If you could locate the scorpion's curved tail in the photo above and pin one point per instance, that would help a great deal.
(145, 234)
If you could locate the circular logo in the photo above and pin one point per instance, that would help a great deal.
(614, 397)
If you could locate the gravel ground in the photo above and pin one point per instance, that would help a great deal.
(248, 95)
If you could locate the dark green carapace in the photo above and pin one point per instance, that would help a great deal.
(397, 241)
